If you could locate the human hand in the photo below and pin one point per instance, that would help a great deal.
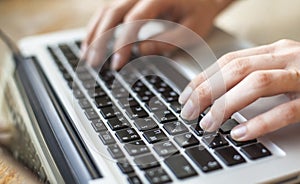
(246, 76)
(197, 15)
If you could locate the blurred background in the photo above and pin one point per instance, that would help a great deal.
(258, 21)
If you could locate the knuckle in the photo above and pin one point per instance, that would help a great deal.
(260, 79)
(227, 58)
(241, 66)
(284, 43)
(263, 126)
(290, 113)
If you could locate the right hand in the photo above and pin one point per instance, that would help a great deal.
(197, 15)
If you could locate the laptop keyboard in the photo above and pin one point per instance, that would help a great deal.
(141, 121)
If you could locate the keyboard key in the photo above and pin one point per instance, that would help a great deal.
(136, 148)
(204, 160)
(228, 125)
(186, 140)
(136, 112)
(96, 92)
(127, 135)
(229, 156)
(197, 129)
(115, 151)
(144, 124)
(155, 105)
(155, 135)
(157, 176)
(120, 92)
(78, 93)
(146, 162)
(85, 76)
(240, 143)
(175, 127)
(90, 84)
(190, 122)
(104, 101)
(84, 103)
(176, 106)
(164, 116)
(118, 123)
(134, 180)
(255, 151)
(170, 96)
(165, 149)
(106, 138)
(128, 102)
(125, 166)
(214, 140)
(180, 167)
(98, 125)
(110, 112)
(91, 114)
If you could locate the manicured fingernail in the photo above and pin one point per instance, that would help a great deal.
(185, 95)
(188, 110)
(115, 61)
(239, 132)
(206, 122)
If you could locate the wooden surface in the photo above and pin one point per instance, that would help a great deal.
(258, 21)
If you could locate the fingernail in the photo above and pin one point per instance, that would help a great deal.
(187, 110)
(83, 50)
(115, 61)
(92, 56)
(185, 95)
(238, 132)
(206, 122)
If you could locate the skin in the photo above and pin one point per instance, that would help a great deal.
(197, 15)
(248, 75)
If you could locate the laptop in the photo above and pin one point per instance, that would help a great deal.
(81, 125)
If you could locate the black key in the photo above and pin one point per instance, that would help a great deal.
(146, 162)
(228, 125)
(255, 151)
(189, 122)
(155, 105)
(186, 140)
(120, 92)
(128, 102)
(96, 92)
(118, 123)
(180, 166)
(136, 112)
(127, 135)
(176, 106)
(144, 124)
(125, 166)
(110, 112)
(164, 116)
(175, 127)
(146, 96)
(204, 160)
(155, 135)
(136, 148)
(104, 101)
(115, 151)
(157, 176)
(240, 143)
(98, 125)
(68, 77)
(106, 138)
(84, 103)
(214, 140)
(197, 129)
(90, 84)
(229, 156)
(170, 96)
(78, 93)
(134, 180)
(91, 114)
(153, 79)
(165, 149)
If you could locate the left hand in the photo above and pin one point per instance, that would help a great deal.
(246, 76)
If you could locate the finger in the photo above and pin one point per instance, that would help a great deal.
(268, 121)
(91, 30)
(112, 18)
(215, 67)
(257, 84)
(230, 75)
(142, 11)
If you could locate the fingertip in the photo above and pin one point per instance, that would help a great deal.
(239, 132)
(116, 60)
(184, 96)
